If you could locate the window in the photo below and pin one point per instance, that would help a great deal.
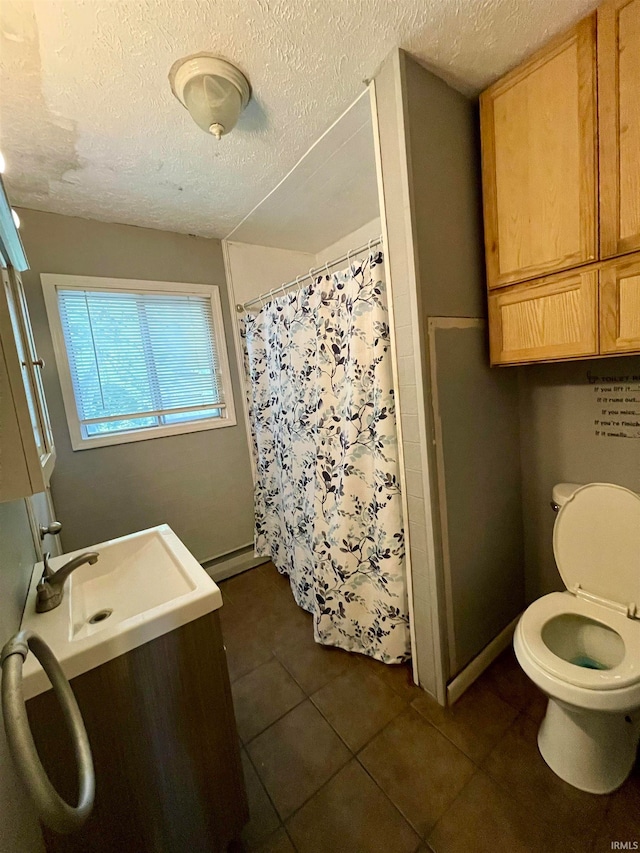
(138, 359)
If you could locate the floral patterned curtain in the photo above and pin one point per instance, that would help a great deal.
(327, 494)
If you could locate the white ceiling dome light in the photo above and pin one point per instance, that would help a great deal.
(213, 90)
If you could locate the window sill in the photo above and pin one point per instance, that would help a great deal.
(105, 440)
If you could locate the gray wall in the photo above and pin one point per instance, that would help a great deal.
(428, 132)
(444, 161)
(19, 830)
(557, 411)
(480, 485)
(199, 482)
(481, 554)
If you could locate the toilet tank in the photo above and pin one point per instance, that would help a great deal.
(562, 492)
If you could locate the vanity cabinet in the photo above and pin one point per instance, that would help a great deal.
(165, 748)
(27, 453)
(561, 184)
(539, 150)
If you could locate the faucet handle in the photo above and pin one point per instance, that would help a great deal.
(48, 571)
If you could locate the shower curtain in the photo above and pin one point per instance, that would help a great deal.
(327, 495)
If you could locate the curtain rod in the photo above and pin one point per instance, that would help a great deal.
(311, 274)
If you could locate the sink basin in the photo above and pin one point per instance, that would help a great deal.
(143, 585)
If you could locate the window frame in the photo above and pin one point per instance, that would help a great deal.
(50, 284)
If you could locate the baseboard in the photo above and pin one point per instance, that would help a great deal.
(233, 564)
(473, 670)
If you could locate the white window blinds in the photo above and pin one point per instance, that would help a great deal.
(140, 360)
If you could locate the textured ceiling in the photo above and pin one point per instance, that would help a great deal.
(330, 192)
(89, 127)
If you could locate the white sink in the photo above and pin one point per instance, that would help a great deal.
(143, 585)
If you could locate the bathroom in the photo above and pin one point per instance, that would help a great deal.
(345, 140)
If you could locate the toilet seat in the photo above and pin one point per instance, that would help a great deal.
(596, 544)
(533, 620)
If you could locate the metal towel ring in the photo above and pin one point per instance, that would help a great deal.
(52, 809)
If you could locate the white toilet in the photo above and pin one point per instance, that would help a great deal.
(581, 647)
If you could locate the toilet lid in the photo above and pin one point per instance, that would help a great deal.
(596, 542)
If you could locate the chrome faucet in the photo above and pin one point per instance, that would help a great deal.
(51, 587)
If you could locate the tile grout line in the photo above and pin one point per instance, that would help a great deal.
(452, 803)
(388, 798)
(429, 723)
(273, 723)
(311, 796)
(352, 756)
(373, 736)
(267, 794)
(453, 743)
(235, 681)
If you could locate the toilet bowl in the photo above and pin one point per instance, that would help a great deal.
(581, 647)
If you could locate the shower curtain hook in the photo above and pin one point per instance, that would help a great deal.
(349, 259)
(311, 275)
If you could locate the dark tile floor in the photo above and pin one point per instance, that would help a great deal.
(343, 754)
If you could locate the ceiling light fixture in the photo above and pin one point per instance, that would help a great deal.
(213, 90)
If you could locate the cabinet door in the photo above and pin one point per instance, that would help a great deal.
(539, 162)
(619, 126)
(24, 399)
(620, 306)
(546, 320)
(32, 367)
(15, 480)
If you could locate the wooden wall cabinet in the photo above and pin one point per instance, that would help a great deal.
(561, 181)
(620, 306)
(539, 151)
(27, 453)
(552, 318)
(581, 313)
(619, 126)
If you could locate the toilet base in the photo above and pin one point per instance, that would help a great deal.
(591, 750)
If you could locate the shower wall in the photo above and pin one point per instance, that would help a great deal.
(349, 241)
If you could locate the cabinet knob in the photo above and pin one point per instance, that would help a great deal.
(52, 530)
(39, 362)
